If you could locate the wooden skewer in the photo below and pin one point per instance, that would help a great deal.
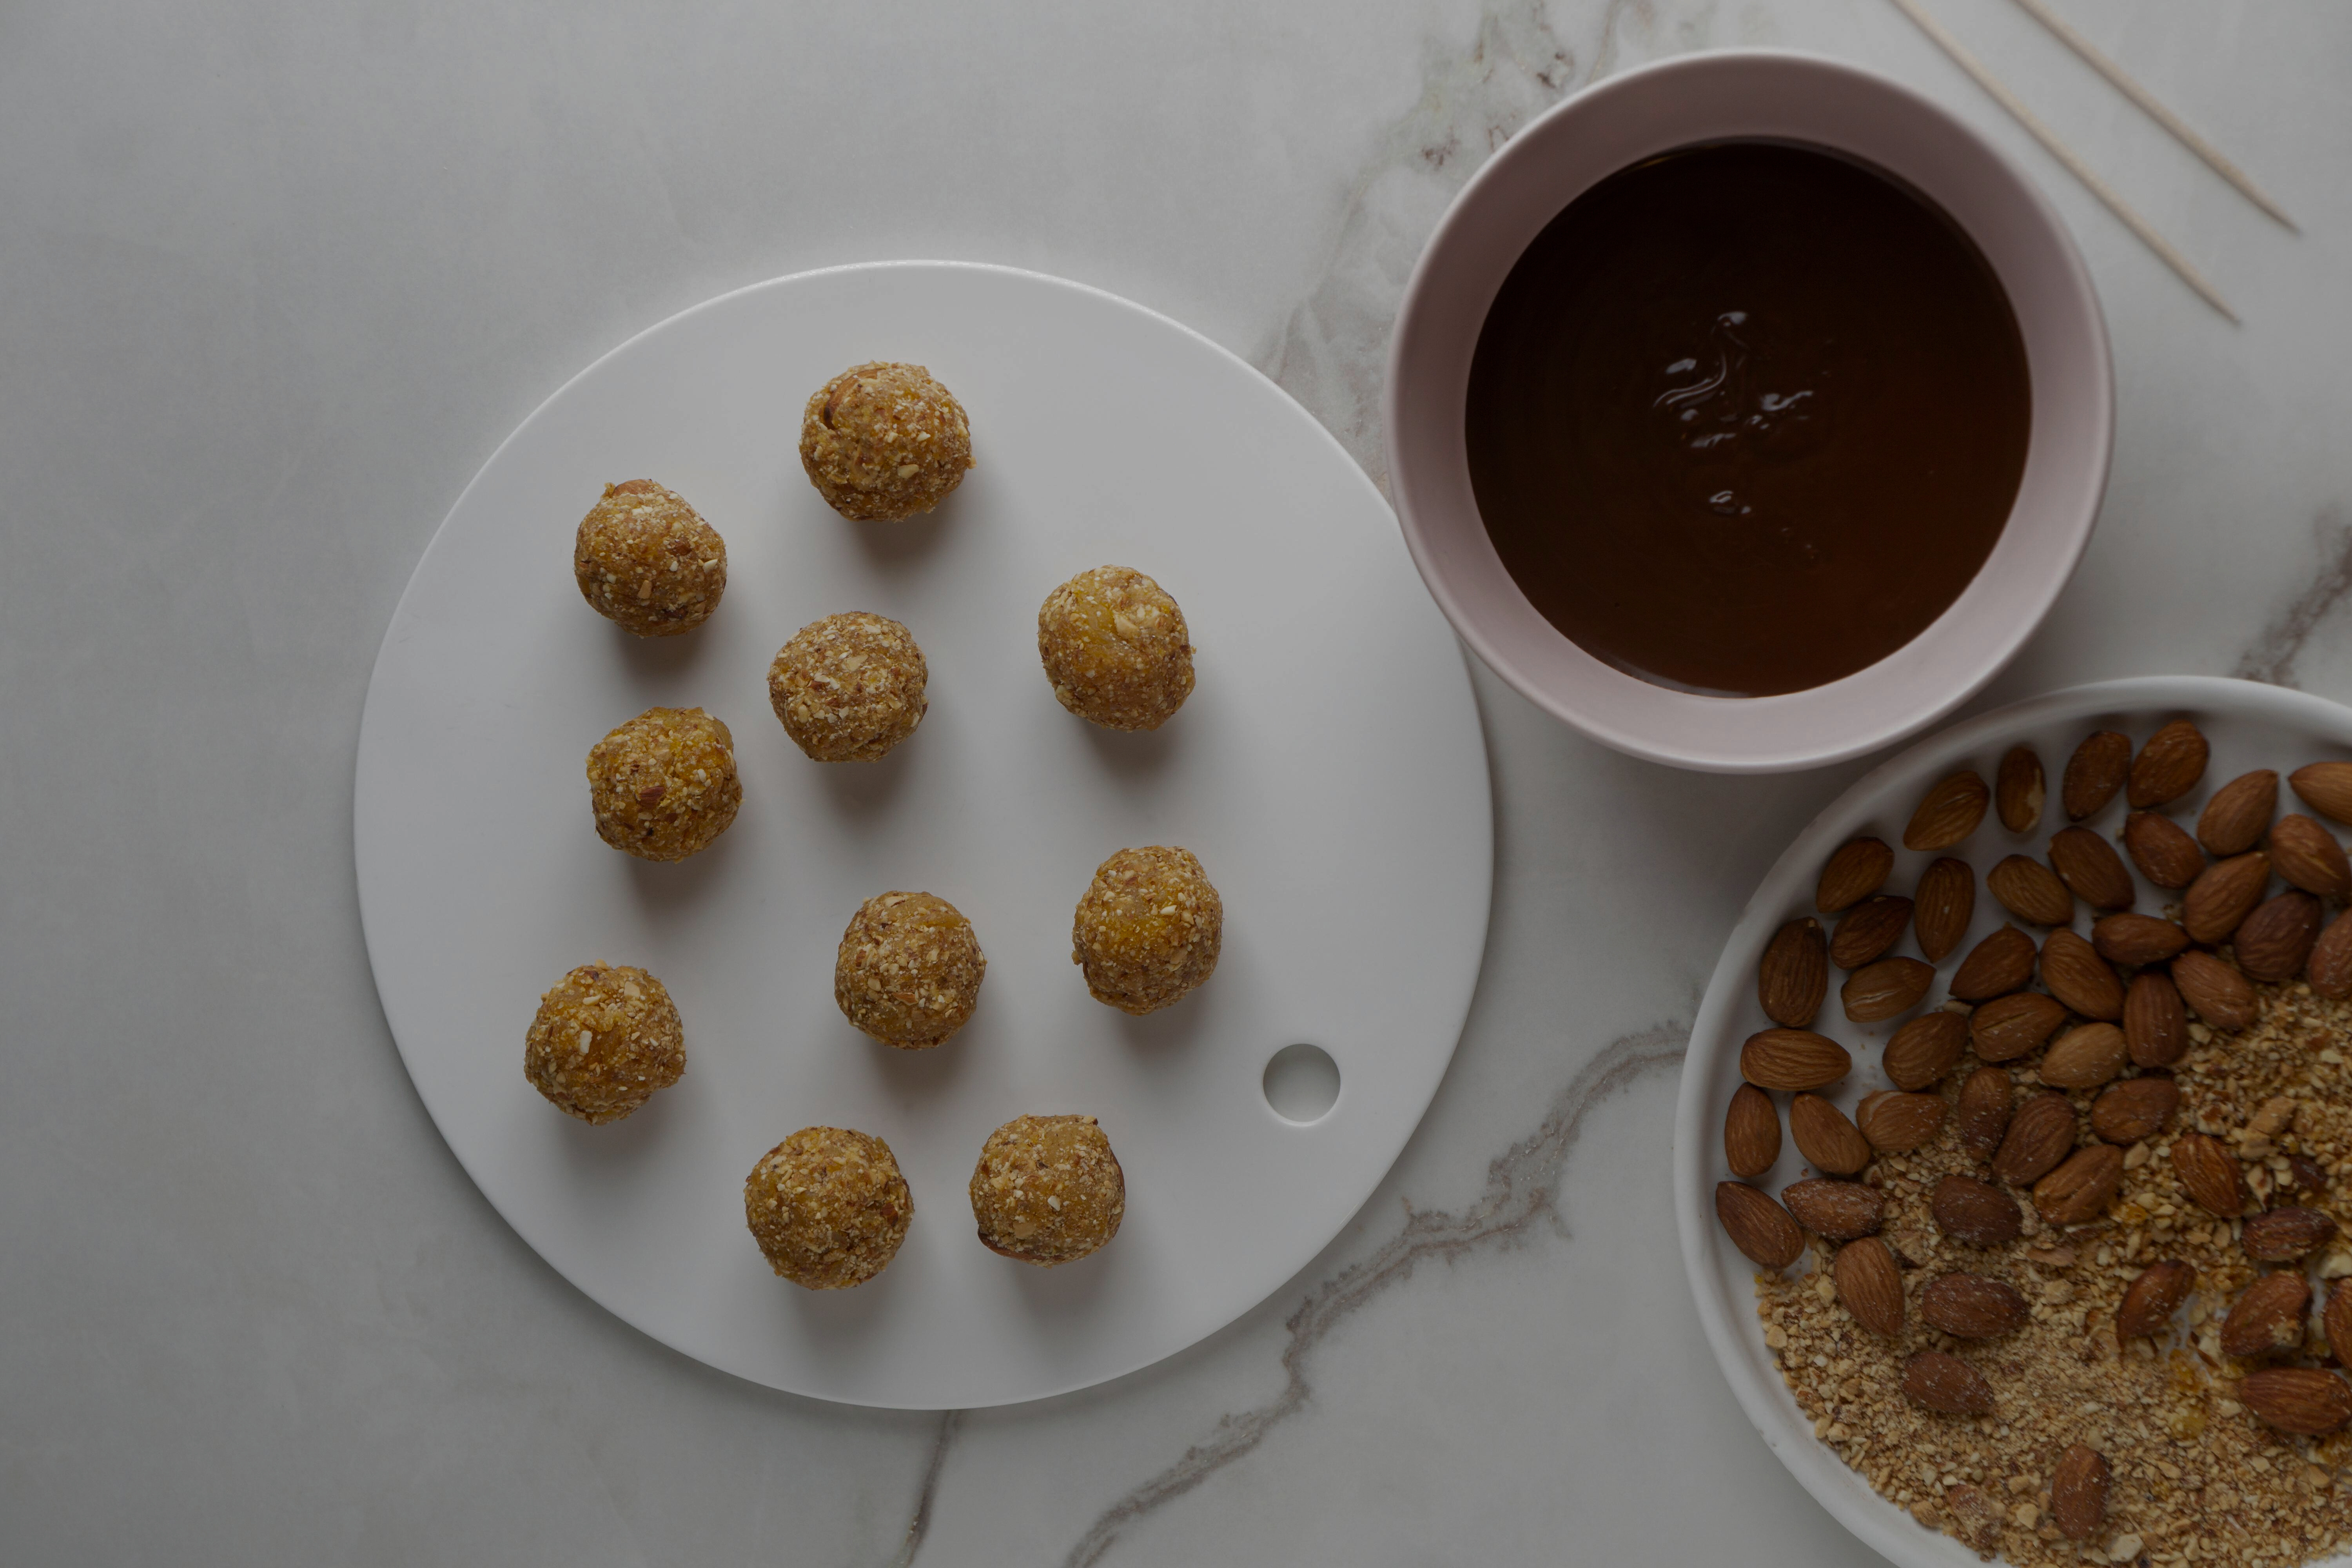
(2155, 110)
(2065, 154)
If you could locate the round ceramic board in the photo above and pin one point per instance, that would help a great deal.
(2250, 726)
(1328, 771)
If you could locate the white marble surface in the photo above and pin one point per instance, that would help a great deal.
(273, 281)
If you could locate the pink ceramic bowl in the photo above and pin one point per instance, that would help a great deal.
(1787, 96)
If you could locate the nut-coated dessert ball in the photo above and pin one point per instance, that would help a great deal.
(883, 441)
(1148, 929)
(1114, 644)
(828, 1207)
(849, 687)
(664, 783)
(647, 562)
(1047, 1189)
(605, 1040)
(908, 969)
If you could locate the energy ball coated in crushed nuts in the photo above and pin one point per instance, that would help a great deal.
(828, 1207)
(646, 561)
(605, 1040)
(849, 687)
(1047, 1189)
(664, 783)
(908, 970)
(1114, 644)
(1148, 929)
(882, 442)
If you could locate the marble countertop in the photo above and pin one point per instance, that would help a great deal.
(274, 281)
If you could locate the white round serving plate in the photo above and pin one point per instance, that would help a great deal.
(1328, 770)
(2250, 726)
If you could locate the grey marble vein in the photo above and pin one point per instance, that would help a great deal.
(2273, 656)
(920, 1524)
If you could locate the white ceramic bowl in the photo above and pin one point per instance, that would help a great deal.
(2250, 726)
(1790, 97)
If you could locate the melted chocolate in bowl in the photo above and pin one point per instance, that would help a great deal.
(1745, 417)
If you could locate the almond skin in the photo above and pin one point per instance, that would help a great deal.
(2327, 788)
(2302, 1399)
(2306, 1175)
(1825, 1137)
(2168, 767)
(2093, 773)
(1870, 1285)
(2041, 1134)
(2218, 993)
(2209, 1174)
(1840, 1211)
(2135, 1109)
(2156, 1024)
(1945, 902)
(1751, 1132)
(2238, 814)
(1759, 1227)
(1883, 989)
(1974, 1212)
(2032, 891)
(1865, 931)
(1983, 1112)
(2137, 939)
(2019, 790)
(2308, 857)
(1794, 973)
(2091, 869)
(2338, 1321)
(2078, 1492)
(1856, 870)
(1792, 1060)
(1923, 1050)
(2268, 1319)
(2085, 1057)
(2273, 942)
(2329, 967)
(2077, 975)
(2014, 1025)
(2285, 1235)
(2162, 850)
(2224, 894)
(1946, 1384)
(2080, 1190)
(1971, 1307)
(2150, 1300)
(2000, 964)
(1897, 1124)
(1948, 812)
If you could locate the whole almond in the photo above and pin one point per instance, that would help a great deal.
(1883, 989)
(2091, 869)
(2150, 1300)
(2309, 857)
(1870, 1285)
(2093, 773)
(2080, 1190)
(2137, 939)
(2327, 788)
(2156, 1024)
(1948, 813)
(2274, 941)
(1792, 1060)
(1946, 902)
(2041, 1133)
(2032, 891)
(2135, 1109)
(2168, 767)
(2338, 1321)
(2329, 968)
(2000, 964)
(1897, 1124)
(1865, 931)
(2238, 814)
(1756, 1225)
(1971, 1307)
(2223, 894)
(2014, 1025)
(1794, 973)
(1983, 1113)
(1751, 1132)
(2285, 1235)
(2209, 1174)
(2162, 849)
(1825, 1137)
(1925, 1049)
(1838, 1210)
(2268, 1319)
(2085, 1057)
(2218, 993)
(1856, 870)
(1946, 1384)
(1977, 1213)
(2078, 1492)
(2302, 1399)
(2077, 975)
(2018, 790)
